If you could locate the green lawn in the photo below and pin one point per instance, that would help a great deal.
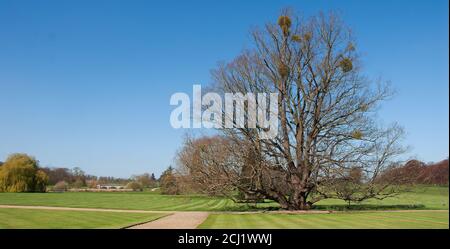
(423, 197)
(419, 198)
(127, 200)
(362, 220)
(33, 218)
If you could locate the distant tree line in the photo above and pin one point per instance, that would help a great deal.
(22, 173)
(64, 178)
(417, 172)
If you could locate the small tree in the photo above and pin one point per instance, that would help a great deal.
(79, 176)
(168, 182)
(40, 181)
(146, 180)
(154, 181)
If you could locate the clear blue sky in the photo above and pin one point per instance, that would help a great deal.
(87, 83)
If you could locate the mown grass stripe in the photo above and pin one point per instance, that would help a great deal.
(33, 218)
(336, 220)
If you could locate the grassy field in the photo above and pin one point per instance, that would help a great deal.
(31, 218)
(362, 220)
(426, 198)
(418, 198)
(130, 200)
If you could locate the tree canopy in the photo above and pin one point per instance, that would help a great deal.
(21, 173)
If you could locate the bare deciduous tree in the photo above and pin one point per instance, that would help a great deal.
(326, 114)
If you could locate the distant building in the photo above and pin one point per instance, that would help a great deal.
(110, 186)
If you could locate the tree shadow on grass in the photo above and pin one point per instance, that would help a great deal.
(344, 207)
(341, 207)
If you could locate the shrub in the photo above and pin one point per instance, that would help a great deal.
(135, 186)
(79, 183)
(60, 186)
(91, 183)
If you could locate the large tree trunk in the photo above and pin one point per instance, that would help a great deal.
(298, 201)
(302, 203)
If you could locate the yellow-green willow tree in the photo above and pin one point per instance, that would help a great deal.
(21, 173)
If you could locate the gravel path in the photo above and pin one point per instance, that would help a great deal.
(178, 220)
